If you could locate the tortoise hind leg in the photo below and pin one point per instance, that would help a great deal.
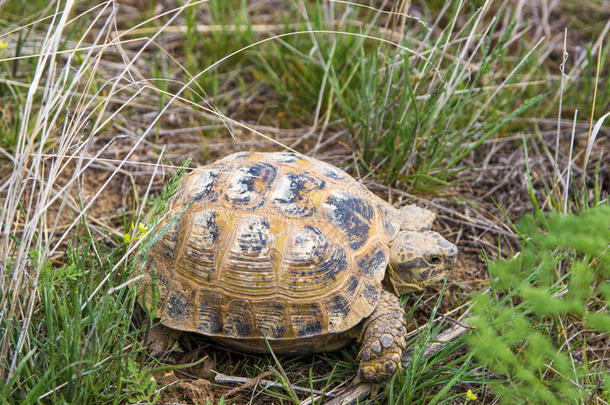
(383, 341)
(160, 340)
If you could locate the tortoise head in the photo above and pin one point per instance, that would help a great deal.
(419, 259)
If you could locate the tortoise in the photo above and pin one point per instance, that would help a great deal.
(289, 250)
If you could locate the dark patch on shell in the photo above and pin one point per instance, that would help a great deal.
(353, 216)
(169, 239)
(388, 221)
(352, 286)
(270, 319)
(291, 192)
(370, 294)
(337, 307)
(373, 262)
(249, 185)
(207, 224)
(333, 265)
(334, 173)
(255, 237)
(204, 185)
(306, 319)
(237, 320)
(210, 223)
(198, 261)
(178, 307)
(286, 157)
(312, 328)
(209, 321)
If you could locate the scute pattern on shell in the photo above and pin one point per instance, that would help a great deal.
(270, 244)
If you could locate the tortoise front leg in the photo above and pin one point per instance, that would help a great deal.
(383, 341)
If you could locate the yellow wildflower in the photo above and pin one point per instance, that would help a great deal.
(470, 395)
(139, 234)
(3, 44)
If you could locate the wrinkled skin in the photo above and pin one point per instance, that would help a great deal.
(418, 260)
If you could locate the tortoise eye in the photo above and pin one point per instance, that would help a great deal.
(434, 260)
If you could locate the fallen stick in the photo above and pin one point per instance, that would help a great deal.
(248, 382)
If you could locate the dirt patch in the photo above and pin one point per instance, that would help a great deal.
(184, 390)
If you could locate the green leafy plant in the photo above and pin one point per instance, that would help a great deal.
(522, 333)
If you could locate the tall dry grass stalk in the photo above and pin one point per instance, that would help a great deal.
(63, 113)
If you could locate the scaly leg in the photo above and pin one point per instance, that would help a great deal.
(383, 341)
(160, 340)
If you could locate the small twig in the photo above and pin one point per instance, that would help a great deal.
(445, 316)
(250, 382)
(353, 394)
(247, 382)
(331, 393)
(441, 341)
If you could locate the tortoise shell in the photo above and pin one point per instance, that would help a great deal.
(273, 245)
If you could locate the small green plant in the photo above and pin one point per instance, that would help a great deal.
(522, 324)
(83, 344)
